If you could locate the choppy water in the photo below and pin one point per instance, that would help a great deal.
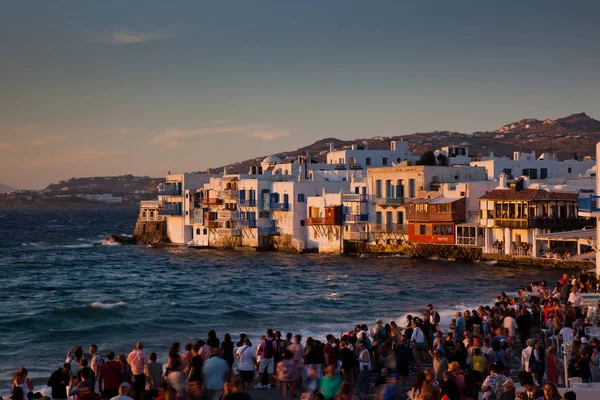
(58, 290)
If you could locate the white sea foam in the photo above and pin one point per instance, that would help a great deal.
(107, 242)
(77, 246)
(99, 304)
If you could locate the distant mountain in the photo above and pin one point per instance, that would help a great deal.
(574, 136)
(5, 188)
(117, 185)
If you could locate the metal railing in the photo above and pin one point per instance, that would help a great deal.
(354, 197)
(279, 206)
(314, 221)
(389, 228)
(169, 192)
(588, 204)
(247, 202)
(149, 203)
(390, 201)
(356, 217)
(244, 223)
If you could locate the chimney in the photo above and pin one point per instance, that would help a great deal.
(224, 171)
(331, 147)
(324, 191)
(502, 180)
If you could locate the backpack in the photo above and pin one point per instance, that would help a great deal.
(267, 351)
(534, 365)
(469, 390)
(436, 317)
(498, 389)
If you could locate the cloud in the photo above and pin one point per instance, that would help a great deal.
(45, 139)
(128, 36)
(72, 155)
(172, 137)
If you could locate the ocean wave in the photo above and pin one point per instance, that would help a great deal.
(240, 314)
(446, 313)
(99, 304)
(76, 246)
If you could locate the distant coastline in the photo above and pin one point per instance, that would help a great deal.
(60, 203)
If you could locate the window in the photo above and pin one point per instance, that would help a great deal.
(144, 214)
(543, 173)
(384, 161)
(263, 214)
(301, 222)
(205, 231)
(300, 197)
(530, 172)
(400, 188)
(151, 214)
(378, 217)
(389, 189)
(378, 188)
(508, 172)
(400, 218)
(368, 161)
(197, 231)
(422, 229)
(411, 188)
(569, 170)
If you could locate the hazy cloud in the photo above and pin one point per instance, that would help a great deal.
(172, 137)
(71, 155)
(45, 139)
(128, 36)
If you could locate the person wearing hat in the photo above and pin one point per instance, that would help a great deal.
(509, 390)
(459, 378)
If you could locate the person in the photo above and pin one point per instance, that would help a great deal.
(87, 372)
(415, 391)
(95, 361)
(214, 371)
(137, 359)
(195, 377)
(287, 374)
(364, 367)
(246, 363)
(462, 381)
(418, 343)
(21, 380)
(330, 351)
(213, 340)
(532, 392)
(153, 373)
(403, 356)
(74, 357)
(492, 385)
(227, 353)
(110, 376)
(175, 375)
(429, 391)
(448, 388)
(551, 392)
(530, 358)
(126, 374)
(59, 380)
(570, 395)
(510, 392)
(440, 365)
(266, 365)
(123, 392)
(347, 359)
(477, 366)
(310, 384)
(345, 392)
(330, 384)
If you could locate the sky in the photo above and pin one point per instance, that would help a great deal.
(96, 88)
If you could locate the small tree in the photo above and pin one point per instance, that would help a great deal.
(442, 160)
(428, 158)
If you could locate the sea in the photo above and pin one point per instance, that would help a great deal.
(61, 287)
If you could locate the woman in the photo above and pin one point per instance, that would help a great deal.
(312, 356)
(212, 340)
(429, 391)
(287, 374)
(551, 392)
(21, 380)
(551, 366)
(126, 374)
(298, 354)
(227, 353)
(460, 355)
(415, 392)
(175, 373)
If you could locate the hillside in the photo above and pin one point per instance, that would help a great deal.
(574, 136)
(117, 185)
(5, 188)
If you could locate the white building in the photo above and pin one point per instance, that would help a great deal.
(358, 157)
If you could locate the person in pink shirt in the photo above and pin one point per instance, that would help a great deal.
(137, 359)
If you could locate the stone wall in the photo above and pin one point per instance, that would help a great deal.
(149, 232)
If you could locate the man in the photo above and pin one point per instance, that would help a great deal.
(418, 344)
(576, 299)
(434, 316)
(403, 355)
(214, 371)
(440, 365)
(330, 351)
(464, 383)
(74, 357)
(461, 325)
(109, 376)
(246, 363)
(59, 380)
(509, 390)
(195, 375)
(137, 359)
(530, 358)
(330, 384)
(87, 372)
(532, 392)
(96, 359)
(510, 323)
(492, 385)
(348, 358)
(266, 365)
(123, 391)
(153, 372)
(524, 323)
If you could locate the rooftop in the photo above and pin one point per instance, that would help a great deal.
(528, 195)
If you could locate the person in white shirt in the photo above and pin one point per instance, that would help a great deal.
(576, 299)
(526, 355)
(123, 390)
(418, 344)
(510, 323)
(246, 356)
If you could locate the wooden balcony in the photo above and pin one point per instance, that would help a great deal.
(543, 223)
(389, 228)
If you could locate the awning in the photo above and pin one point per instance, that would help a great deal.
(584, 257)
(472, 220)
(570, 236)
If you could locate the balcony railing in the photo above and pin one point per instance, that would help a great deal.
(229, 193)
(244, 223)
(542, 223)
(588, 204)
(228, 231)
(390, 201)
(169, 212)
(169, 192)
(356, 217)
(354, 197)
(271, 230)
(247, 202)
(314, 221)
(279, 206)
(210, 201)
(389, 228)
(362, 236)
(149, 203)
(228, 215)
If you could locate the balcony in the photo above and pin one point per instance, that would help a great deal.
(390, 201)
(246, 223)
(149, 203)
(354, 197)
(542, 223)
(356, 236)
(169, 191)
(356, 217)
(588, 206)
(210, 201)
(314, 221)
(279, 207)
(389, 228)
(229, 194)
(227, 215)
(271, 230)
(228, 231)
(173, 212)
(247, 202)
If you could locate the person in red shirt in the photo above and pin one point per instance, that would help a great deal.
(330, 351)
(110, 377)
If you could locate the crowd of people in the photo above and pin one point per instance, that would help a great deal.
(476, 356)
